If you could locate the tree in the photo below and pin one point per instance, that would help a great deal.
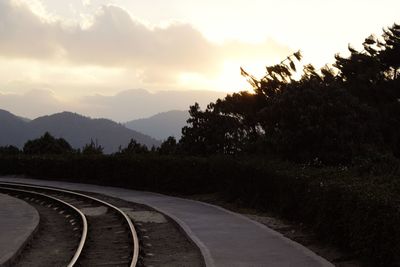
(372, 75)
(134, 148)
(231, 125)
(335, 114)
(9, 151)
(47, 144)
(168, 147)
(93, 148)
(313, 119)
(209, 132)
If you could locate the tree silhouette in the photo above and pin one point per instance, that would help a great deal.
(93, 148)
(335, 113)
(168, 147)
(9, 151)
(372, 75)
(209, 132)
(133, 148)
(47, 144)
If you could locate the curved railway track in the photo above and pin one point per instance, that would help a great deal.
(108, 236)
(69, 211)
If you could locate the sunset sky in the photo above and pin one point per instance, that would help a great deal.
(70, 50)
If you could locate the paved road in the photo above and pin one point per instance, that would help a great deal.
(18, 221)
(225, 238)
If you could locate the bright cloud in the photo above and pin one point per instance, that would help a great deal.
(112, 38)
(71, 49)
(86, 2)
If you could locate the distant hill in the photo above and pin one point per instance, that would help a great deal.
(121, 107)
(13, 130)
(24, 119)
(76, 129)
(162, 125)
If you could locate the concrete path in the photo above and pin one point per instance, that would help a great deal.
(18, 222)
(225, 238)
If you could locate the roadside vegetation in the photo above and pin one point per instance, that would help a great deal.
(322, 149)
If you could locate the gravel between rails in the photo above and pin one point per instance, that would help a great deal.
(163, 242)
(45, 249)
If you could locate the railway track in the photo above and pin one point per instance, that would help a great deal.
(108, 237)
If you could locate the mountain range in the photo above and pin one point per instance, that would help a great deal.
(76, 129)
(161, 125)
(122, 107)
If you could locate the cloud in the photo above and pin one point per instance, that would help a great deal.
(115, 38)
(40, 102)
(135, 104)
(23, 34)
(86, 2)
(124, 106)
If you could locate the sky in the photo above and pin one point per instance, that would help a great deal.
(60, 53)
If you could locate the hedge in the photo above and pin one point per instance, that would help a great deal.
(359, 215)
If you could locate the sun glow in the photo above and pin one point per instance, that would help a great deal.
(229, 79)
(83, 47)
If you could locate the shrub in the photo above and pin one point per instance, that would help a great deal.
(357, 213)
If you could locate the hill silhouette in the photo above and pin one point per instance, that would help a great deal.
(161, 125)
(13, 129)
(124, 106)
(76, 129)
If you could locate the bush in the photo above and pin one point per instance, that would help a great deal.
(359, 214)
(9, 151)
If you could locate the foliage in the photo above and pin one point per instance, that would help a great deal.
(133, 148)
(47, 144)
(335, 114)
(168, 147)
(347, 116)
(358, 213)
(372, 75)
(93, 148)
(310, 121)
(209, 132)
(9, 150)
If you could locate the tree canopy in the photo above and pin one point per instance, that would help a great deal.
(133, 148)
(93, 148)
(9, 150)
(334, 114)
(47, 144)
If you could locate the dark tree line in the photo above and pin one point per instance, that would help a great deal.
(334, 115)
(49, 145)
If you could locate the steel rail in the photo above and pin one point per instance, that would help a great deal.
(135, 240)
(81, 215)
